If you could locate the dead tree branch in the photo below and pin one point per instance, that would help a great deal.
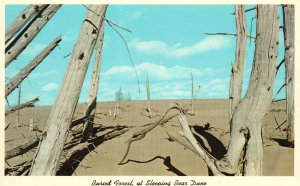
(24, 17)
(209, 159)
(23, 105)
(14, 48)
(17, 79)
(22, 149)
(140, 134)
(103, 17)
(230, 34)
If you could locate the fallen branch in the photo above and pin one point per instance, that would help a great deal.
(22, 149)
(209, 159)
(19, 169)
(7, 125)
(23, 105)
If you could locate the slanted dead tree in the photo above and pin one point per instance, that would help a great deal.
(50, 148)
(237, 70)
(24, 17)
(289, 58)
(92, 100)
(17, 79)
(246, 122)
(21, 41)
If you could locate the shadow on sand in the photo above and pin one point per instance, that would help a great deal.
(67, 168)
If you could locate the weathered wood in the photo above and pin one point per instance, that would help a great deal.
(55, 132)
(209, 160)
(92, 100)
(15, 47)
(22, 149)
(289, 58)
(23, 105)
(24, 17)
(237, 71)
(228, 34)
(247, 119)
(17, 79)
(148, 96)
(140, 134)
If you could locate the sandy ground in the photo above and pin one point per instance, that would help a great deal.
(155, 155)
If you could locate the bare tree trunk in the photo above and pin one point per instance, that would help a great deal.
(192, 94)
(22, 19)
(17, 79)
(148, 96)
(236, 77)
(14, 48)
(92, 100)
(247, 119)
(60, 118)
(289, 57)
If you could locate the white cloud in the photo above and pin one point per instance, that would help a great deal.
(43, 74)
(158, 72)
(34, 50)
(157, 47)
(136, 14)
(50, 87)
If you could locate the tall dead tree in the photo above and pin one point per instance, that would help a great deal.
(247, 119)
(289, 58)
(60, 118)
(237, 71)
(17, 79)
(15, 47)
(24, 17)
(92, 100)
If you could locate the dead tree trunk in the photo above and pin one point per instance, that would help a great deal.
(14, 48)
(17, 79)
(22, 19)
(237, 71)
(23, 105)
(55, 133)
(289, 57)
(92, 100)
(148, 96)
(247, 119)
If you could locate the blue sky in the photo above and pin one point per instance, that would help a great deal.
(166, 42)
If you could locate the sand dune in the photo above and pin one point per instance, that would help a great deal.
(155, 154)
